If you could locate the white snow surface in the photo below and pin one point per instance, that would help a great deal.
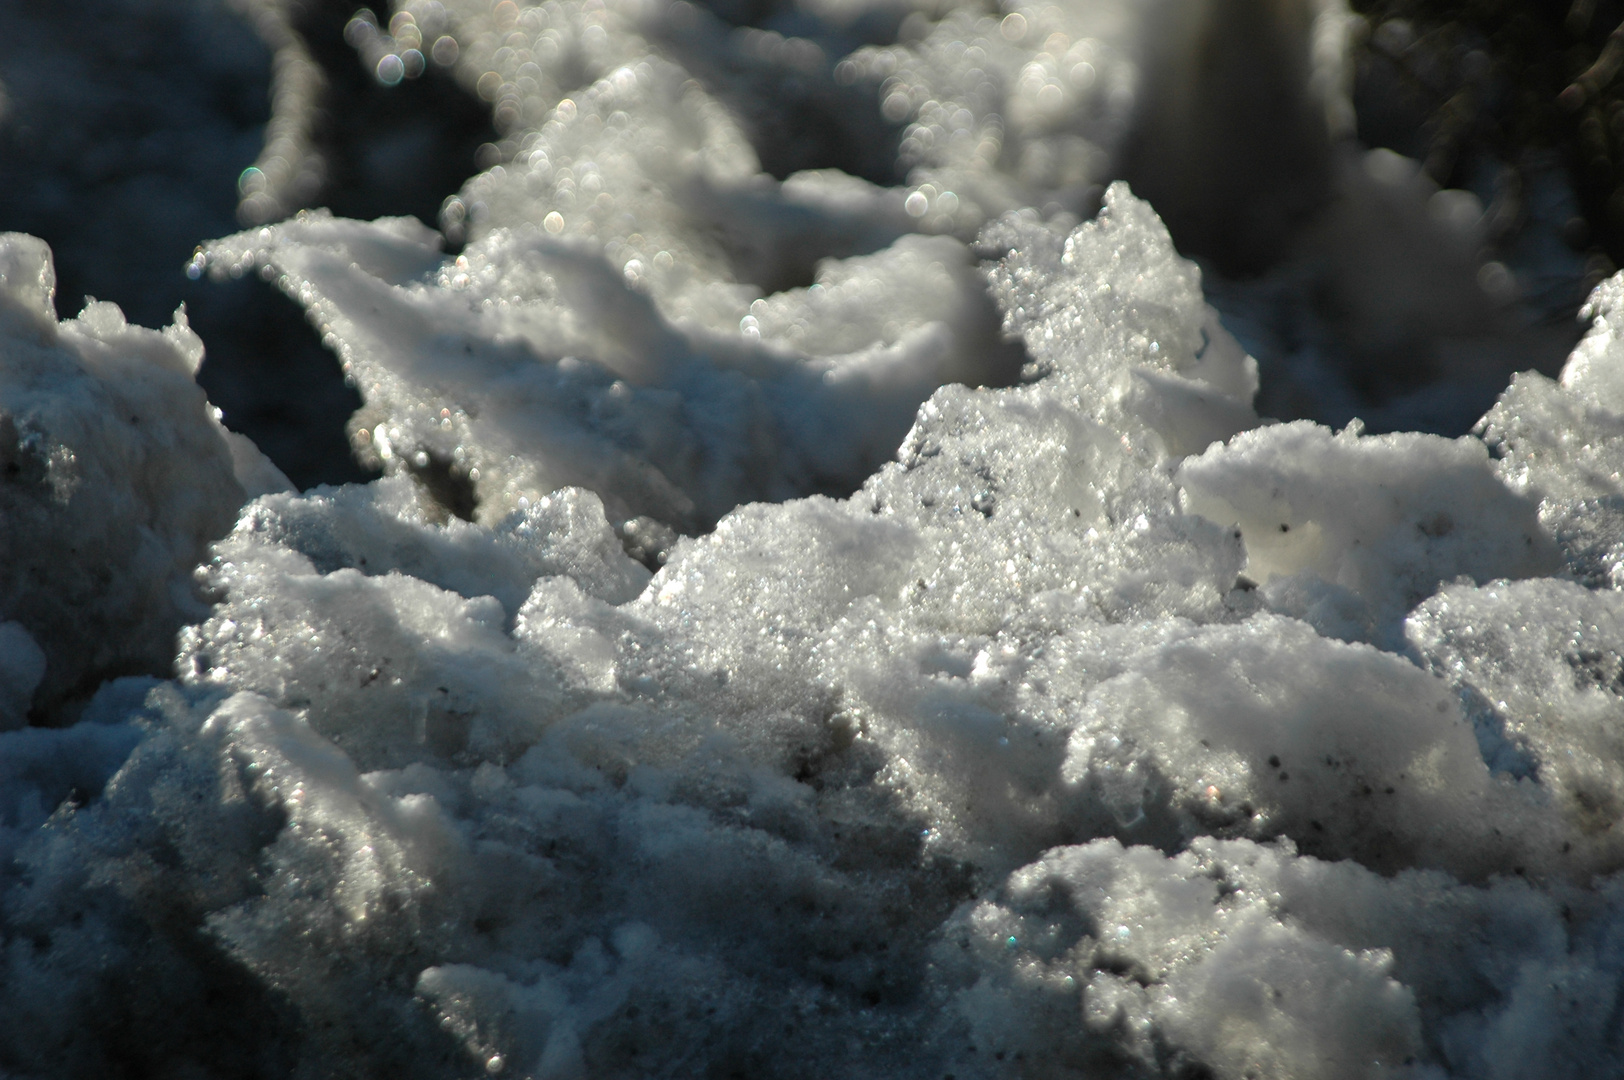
(1104, 730)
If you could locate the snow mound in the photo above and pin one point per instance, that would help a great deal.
(1020, 760)
(807, 628)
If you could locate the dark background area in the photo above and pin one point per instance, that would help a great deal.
(123, 136)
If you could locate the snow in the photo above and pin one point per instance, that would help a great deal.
(117, 477)
(795, 635)
(1350, 532)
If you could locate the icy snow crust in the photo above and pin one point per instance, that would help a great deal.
(1101, 732)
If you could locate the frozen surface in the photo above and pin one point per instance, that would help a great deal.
(808, 628)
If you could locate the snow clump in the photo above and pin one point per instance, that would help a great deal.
(708, 689)
(114, 476)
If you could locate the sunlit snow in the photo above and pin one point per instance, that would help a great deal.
(807, 627)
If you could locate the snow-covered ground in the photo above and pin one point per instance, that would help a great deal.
(832, 605)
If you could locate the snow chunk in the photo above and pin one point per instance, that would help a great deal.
(352, 597)
(613, 347)
(1352, 531)
(114, 475)
(383, 527)
(1540, 667)
(1118, 318)
(1266, 729)
(1559, 441)
(1255, 961)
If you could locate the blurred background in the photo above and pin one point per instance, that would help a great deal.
(131, 132)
